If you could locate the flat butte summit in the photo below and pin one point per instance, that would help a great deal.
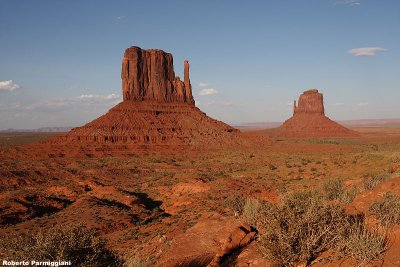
(157, 108)
(309, 119)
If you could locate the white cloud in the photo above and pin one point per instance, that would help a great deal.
(363, 104)
(339, 104)
(203, 84)
(217, 103)
(85, 100)
(120, 17)
(8, 85)
(348, 2)
(99, 97)
(366, 51)
(208, 91)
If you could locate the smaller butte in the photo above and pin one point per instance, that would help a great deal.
(309, 119)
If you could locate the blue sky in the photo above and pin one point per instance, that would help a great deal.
(60, 60)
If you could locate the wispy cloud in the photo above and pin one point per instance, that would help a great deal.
(83, 101)
(366, 51)
(99, 97)
(8, 85)
(203, 84)
(363, 104)
(208, 91)
(120, 17)
(217, 103)
(10, 106)
(348, 2)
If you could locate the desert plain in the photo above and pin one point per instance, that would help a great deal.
(156, 182)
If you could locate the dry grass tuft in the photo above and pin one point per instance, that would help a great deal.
(234, 203)
(363, 243)
(387, 209)
(373, 179)
(136, 262)
(335, 189)
(305, 224)
(62, 243)
(251, 210)
(396, 157)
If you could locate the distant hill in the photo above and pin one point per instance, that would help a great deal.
(372, 123)
(246, 126)
(367, 123)
(250, 126)
(39, 130)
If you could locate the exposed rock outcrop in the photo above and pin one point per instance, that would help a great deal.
(212, 241)
(240, 237)
(309, 119)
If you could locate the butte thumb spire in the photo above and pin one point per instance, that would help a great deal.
(148, 75)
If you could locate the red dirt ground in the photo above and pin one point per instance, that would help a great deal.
(178, 205)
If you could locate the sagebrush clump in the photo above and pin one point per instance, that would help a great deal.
(334, 189)
(305, 224)
(362, 243)
(135, 261)
(387, 209)
(72, 243)
(373, 179)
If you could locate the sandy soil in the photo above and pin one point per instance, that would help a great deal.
(178, 205)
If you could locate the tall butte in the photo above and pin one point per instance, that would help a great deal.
(157, 108)
(309, 119)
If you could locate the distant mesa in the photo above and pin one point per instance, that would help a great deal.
(158, 108)
(309, 119)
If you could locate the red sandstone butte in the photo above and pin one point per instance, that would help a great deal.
(157, 108)
(309, 119)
